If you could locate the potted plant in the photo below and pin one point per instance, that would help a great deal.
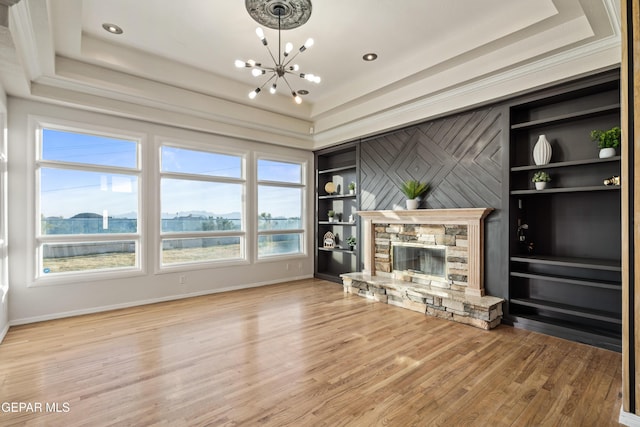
(413, 189)
(351, 241)
(540, 179)
(608, 141)
(331, 214)
(352, 187)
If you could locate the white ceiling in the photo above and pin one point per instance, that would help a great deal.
(177, 56)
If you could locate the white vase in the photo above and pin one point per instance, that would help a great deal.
(330, 219)
(605, 153)
(412, 204)
(542, 151)
(540, 185)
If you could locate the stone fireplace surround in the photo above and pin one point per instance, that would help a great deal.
(461, 296)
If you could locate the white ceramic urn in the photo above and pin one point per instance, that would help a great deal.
(542, 151)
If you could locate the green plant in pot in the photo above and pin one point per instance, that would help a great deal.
(413, 189)
(352, 187)
(331, 215)
(540, 179)
(608, 141)
(351, 242)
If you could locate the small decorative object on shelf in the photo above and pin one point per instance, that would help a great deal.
(352, 187)
(331, 215)
(542, 151)
(413, 189)
(330, 188)
(329, 240)
(351, 241)
(351, 219)
(607, 140)
(540, 179)
(614, 180)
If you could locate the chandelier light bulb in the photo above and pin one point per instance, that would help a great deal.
(251, 63)
(296, 98)
(308, 43)
(295, 67)
(317, 79)
(272, 89)
(288, 48)
(257, 72)
(240, 64)
(254, 93)
(261, 36)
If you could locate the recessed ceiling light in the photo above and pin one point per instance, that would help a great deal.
(303, 92)
(112, 28)
(370, 56)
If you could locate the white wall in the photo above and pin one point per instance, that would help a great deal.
(33, 302)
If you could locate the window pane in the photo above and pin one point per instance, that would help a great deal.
(201, 163)
(279, 208)
(70, 257)
(279, 244)
(179, 251)
(269, 170)
(89, 149)
(200, 206)
(79, 202)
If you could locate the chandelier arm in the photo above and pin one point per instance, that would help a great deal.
(287, 82)
(271, 54)
(267, 81)
(291, 59)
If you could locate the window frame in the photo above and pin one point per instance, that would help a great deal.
(303, 232)
(186, 144)
(38, 124)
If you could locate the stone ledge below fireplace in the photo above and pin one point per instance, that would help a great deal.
(482, 312)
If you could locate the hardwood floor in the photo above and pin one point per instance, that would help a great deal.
(302, 354)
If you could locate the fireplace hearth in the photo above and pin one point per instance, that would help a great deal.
(430, 260)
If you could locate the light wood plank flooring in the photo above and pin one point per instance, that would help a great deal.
(301, 354)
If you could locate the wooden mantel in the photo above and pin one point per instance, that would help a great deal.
(473, 218)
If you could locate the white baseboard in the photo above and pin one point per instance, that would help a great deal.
(3, 332)
(26, 320)
(628, 419)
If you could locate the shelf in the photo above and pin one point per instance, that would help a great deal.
(613, 108)
(616, 286)
(565, 164)
(353, 224)
(607, 335)
(337, 250)
(567, 190)
(605, 316)
(334, 170)
(587, 263)
(338, 196)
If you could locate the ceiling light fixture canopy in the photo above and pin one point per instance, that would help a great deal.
(280, 15)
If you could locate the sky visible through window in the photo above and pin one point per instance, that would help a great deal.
(66, 192)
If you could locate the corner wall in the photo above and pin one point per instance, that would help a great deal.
(31, 302)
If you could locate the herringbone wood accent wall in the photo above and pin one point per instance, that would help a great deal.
(459, 156)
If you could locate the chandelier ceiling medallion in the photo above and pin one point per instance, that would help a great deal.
(280, 15)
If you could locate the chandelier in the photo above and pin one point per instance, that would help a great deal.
(283, 15)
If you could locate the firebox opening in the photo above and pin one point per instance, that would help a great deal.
(419, 260)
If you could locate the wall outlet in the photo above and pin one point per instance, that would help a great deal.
(183, 279)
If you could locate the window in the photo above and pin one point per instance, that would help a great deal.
(202, 206)
(88, 202)
(280, 208)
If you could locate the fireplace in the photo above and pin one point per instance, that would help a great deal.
(418, 260)
(427, 260)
